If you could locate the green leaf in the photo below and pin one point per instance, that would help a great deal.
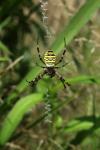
(77, 125)
(76, 23)
(84, 79)
(86, 128)
(4, 59)
(16, 114)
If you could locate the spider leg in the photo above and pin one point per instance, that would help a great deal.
(64, 51)
(34, 81)
(62, 80)
(38, 50)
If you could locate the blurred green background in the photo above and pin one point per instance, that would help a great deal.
(75, 112)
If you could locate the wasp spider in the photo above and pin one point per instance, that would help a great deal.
(50, 66)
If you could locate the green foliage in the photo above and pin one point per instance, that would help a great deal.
(16, 115)
(76, 23)
(17, 97)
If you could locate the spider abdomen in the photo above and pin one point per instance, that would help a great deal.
(49, 58)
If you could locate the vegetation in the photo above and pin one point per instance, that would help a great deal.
(23, 109)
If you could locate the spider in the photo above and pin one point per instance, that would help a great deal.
(50, 68)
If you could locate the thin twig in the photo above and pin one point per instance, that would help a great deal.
(12, 65)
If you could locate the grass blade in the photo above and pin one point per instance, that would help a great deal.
(76, 23)
(16, 115)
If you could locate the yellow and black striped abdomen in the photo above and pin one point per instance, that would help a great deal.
(49, 58)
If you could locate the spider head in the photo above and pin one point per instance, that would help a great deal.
(49, 58)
